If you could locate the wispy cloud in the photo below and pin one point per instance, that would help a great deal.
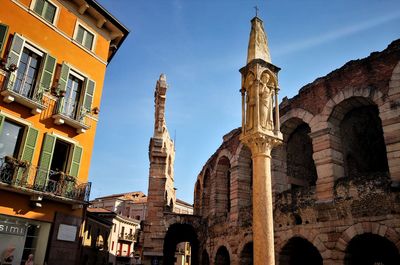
(334, 35)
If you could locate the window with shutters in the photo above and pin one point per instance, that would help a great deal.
(45, 9)
(17, 146)
(33, 77)
(58, 167)
(75, 104)
(85, 37)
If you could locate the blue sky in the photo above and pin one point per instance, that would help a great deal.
(200, 45)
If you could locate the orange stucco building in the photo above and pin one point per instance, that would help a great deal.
(54, 55)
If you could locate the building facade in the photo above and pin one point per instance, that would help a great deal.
(54, 55)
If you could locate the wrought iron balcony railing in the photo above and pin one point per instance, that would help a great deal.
(71, 113)
(17, 89)
(19, 174)
(126, 236)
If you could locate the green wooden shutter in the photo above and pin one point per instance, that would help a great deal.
(45, 161)
(89, 93)
(62, 85)
(46, 76)
(3, 36)
(76, 161)
(70, 190)
(27, 154)
(2, 118)
(14, 57)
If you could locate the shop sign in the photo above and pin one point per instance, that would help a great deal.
(67, 232)
(12, 229)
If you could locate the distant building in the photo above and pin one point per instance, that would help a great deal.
(131, 204)
(134, 205)
(53, 59)
(108, 238)
(96, 235)
(183, 254)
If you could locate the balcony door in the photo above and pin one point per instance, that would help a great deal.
(10, 139)
(27, 73)
(72, 94)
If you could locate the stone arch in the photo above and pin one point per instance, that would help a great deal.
(295, 156)
(298, 113)
(366, 227)
(222, 188)
(205, 258)
(222, 256)
(197, 197)
(206, 192)
(299, 250)
(246, 238)
(357, 123)
(389, 115)
(312, 236)
(244, 168)
(246, 254)
(321, 121)
(371, 249)
(325, 134)
(178, 233)
(224, 153)
(300, 166)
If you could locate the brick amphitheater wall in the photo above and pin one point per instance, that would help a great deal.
(342, 201)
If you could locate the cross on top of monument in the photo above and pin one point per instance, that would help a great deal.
(256, 8)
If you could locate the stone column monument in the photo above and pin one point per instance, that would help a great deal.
(261, 132)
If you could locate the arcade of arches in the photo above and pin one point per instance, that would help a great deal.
(336, 177)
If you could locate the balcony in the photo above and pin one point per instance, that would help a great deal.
(21, 92)
(126, 237)
(19, 176)
(70, 113)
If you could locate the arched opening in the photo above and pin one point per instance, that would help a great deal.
(176, 234)
(222, 256)
(197, 198)
(245, 178)
(363, 145)
(169, 166)
(371, 249)
(223, 181)
(205, 259)
(301, 169)
(246, 256)
(299, 251)
(205, 198)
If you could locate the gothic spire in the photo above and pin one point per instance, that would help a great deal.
(258, 43)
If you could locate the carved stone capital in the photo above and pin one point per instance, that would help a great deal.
(261, 143)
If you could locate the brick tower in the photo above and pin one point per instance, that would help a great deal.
(161, 193)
